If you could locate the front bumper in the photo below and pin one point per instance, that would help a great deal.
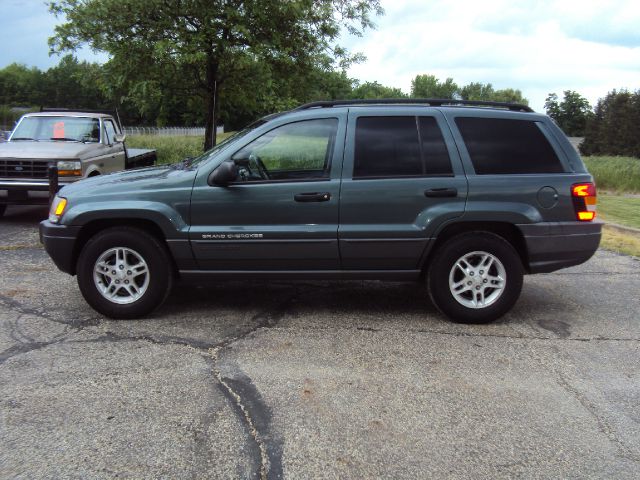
(60, 241)
(552, 246)
(28, 191)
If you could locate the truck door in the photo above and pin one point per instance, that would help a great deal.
(114, 159)
(402, 179)
(282, 212)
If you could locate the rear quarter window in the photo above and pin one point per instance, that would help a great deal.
(507, 146)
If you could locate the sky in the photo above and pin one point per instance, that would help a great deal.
(536, 46)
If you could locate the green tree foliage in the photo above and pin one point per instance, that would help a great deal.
(571, 114)
(200, 45)
(428, 86)
(373, 90)
(614, 128)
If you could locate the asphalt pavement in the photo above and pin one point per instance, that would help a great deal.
(316, 380)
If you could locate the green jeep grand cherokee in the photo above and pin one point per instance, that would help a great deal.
(468, 196)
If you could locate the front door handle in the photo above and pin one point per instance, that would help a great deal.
(441, 192)
(312, 197)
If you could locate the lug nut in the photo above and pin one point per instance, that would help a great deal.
(126, 282)
(128, 272)
(481, 272)
(117, 282)
(113, 272)
(478, 287)
(122, 267)
(469, 283)
(484, 281)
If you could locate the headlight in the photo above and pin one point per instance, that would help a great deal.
(58, 206)
(69, 168)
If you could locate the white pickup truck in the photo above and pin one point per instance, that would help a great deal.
(80, 144)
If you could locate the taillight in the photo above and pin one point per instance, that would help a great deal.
(584, 201)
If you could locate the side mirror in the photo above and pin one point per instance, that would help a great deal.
(222, 176)
(119, 137)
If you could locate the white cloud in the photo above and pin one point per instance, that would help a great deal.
(538, 47)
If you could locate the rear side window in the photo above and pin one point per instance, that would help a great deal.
(396, 147)
(505, 146)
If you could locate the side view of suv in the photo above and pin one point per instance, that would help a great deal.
(469, 196)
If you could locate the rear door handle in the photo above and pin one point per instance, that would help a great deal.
(312, 197)
(441, 192)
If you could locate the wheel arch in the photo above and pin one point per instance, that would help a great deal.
(93, 227)
(507, 231)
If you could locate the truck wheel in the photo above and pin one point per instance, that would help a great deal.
(3, 208)
(475, 277)
(124, 272)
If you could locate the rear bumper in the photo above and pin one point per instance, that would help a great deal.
(552, 246)
(59, 241)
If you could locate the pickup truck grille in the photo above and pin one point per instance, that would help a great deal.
(18, 168)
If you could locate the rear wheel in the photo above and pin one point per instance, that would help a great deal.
(124, 272)
(475, 277)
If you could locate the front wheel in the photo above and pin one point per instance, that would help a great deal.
(475, 277)
(124, 272)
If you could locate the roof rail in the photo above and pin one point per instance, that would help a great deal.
(432, 102)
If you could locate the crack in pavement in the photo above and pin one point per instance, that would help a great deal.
(30, 345)
(240, 392)
(603, 425)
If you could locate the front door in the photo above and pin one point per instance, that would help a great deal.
(282, 211)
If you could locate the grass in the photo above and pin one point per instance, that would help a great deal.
(620, 209)
(616, 174)
(621, 242)
(171, 149)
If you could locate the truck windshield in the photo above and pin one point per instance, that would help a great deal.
(58, 128)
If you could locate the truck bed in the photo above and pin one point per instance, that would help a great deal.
(140, 157)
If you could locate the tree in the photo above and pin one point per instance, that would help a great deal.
(197, 44)
(571, 114)
(614, 128)
(373, 90)
(428, 86)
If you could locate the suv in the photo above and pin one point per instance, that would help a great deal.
(467, 195)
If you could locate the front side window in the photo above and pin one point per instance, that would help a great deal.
(110, 130)
(506, 146)
(296, 151)
(399, 147)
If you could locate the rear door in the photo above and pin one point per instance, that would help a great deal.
(402, 180)
(282, 212)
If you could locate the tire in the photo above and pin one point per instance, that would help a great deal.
(143, 272)
(461, 292)
(3, 208)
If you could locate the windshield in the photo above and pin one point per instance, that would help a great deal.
(226, 142)
(52, 128)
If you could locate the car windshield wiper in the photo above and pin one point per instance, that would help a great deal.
(21, 138)
(64, 139)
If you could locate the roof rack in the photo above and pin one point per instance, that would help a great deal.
(432, 102)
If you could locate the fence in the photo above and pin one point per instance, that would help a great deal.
(169, 131)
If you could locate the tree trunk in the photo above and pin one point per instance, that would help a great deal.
(212, 105)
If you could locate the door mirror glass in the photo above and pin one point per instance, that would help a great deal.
(222, 176)
(119, 137)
